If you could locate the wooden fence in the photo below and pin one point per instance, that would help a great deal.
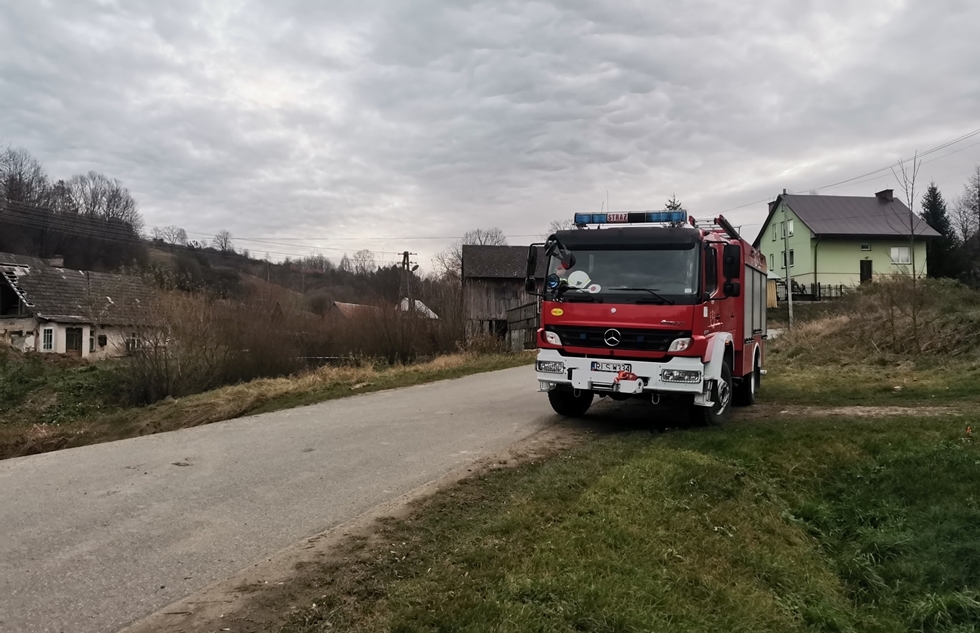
(522, 326)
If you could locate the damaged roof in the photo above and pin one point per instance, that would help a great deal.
(499, 262)
(65, 295)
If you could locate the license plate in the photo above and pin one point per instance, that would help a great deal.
(617, 367)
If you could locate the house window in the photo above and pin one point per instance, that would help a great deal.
(901, 255)
(783, 227)
(103, 340)
(789, 227)
(791, 262)
(91, 343)
(47, 339)
(865, 246)
(133, 343)
(772, 260)
(775, 230)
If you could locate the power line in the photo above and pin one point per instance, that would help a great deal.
(878, 171)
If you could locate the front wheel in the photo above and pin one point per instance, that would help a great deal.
(571, 404)
(721, 395)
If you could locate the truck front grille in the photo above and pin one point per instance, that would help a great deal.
(644, 340)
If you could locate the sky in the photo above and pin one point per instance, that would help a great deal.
(307, 126)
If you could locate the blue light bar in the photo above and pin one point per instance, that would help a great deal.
(581, 219)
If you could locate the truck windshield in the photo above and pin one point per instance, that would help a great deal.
(669, 272)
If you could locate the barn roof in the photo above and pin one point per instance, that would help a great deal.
(64, 295)
(499, 262)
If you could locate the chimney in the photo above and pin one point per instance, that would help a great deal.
(784, 192)
(885, 195)
(58, 261)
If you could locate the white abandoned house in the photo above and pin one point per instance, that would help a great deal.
(48, 309)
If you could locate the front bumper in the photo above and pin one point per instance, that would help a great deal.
(578, 374)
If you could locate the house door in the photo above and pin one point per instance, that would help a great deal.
(73, 341)
(865, 270)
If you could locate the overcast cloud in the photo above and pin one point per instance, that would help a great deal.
(334, 124)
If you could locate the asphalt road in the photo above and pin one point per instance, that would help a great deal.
(93, 538)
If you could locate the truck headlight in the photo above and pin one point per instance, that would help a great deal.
(551, 366)
(679, 345)
(680, 375)
(552, 338)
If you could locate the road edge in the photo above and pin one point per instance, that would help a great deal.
(211, 607)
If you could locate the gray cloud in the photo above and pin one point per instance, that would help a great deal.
(339, 123)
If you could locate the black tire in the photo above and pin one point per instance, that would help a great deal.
(748, 390)
(568, 404)
(717, 413)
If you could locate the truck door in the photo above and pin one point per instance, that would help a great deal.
(712, 305)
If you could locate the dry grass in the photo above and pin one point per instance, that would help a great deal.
(21, 434)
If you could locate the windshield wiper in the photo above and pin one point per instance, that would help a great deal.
(650, 290)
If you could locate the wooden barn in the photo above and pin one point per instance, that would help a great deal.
(493, 283)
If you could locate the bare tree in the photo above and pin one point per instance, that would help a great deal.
(22, 178)
(98, 196)
(170, 234)
(345, 265)
(62, 200)
(222, 241)
(907, 183)
(450, 261)
(317, 262)
(966, 211)
(964, 218)
(560, 225)
(485, 237)
(364, 262)
(915, 301)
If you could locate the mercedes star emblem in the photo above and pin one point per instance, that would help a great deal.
(612, 337)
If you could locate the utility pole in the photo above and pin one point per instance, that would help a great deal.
(789, 278)
(409, 267)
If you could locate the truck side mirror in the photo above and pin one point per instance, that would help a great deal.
(530, 285)
(732, 261)
(568, 261)
(532, 261)
(732, 288)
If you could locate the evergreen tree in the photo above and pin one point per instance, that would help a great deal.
(941, 252)
(673, 204)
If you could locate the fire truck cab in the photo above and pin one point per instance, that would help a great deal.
(652, 305)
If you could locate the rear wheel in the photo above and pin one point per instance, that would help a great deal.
(721, 395)
(572, 403)
(746, 392)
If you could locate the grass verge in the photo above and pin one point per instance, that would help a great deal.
(47, 406)
(816, 525)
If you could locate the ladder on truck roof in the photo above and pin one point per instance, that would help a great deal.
(718, 224)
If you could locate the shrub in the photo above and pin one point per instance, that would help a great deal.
(891, 320)
(192, 343)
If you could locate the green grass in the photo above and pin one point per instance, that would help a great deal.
(52, 403)
(815, 525)
(898, 384)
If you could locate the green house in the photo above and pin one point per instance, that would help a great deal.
(830, 242)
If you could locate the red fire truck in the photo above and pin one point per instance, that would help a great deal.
(652, 305)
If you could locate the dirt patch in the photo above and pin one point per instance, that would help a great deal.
(254, 600)
(772, 410)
